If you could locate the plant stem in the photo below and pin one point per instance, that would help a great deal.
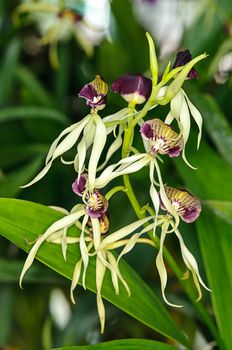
(128, 136)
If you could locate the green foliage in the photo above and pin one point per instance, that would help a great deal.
(36, 103)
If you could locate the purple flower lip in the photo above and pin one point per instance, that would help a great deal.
(78, 185)
(95, 93)
(187, 206)
(97, 204)
(136, 88)
(161, 138)
(182, 58)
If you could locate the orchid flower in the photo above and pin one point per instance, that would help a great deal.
(94, 227)
(94, 134)
(188, 208)
(57, 21)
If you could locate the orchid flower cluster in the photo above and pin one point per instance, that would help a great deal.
(58, 21)
(168, 205)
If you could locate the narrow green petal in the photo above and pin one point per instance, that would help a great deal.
(98, 145)
(56, 226)
(75, 279)
(161, 266)
(113, 271)
(70, 139)
(55, 143)
(83, 249)
(116, 269)
(197, 117)
(100, 273)
(189, 259)
(113, 148)
(123, 232)
(164, 197)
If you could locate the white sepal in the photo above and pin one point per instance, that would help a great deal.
(191, 264)
(83, 249)
(56, 226)
(161, 266)
(75, 278)
(100, 273)
(98, 145)
(123, 232)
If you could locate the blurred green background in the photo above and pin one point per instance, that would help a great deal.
(38, 101)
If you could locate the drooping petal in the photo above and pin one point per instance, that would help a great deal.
(191, 264)
(123, 232)
(164, 198)
(125, 166)
(100, 273)
(161, 266)
(115, 267)
(113, 148)
(98, 145)
(84, 250)
(63, 147)
(133, 88)
(154, 194)
(196, 116)
(75, 278)
(56, 226)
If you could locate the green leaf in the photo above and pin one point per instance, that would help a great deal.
(7, 69)
(221, 208)
(216, 123)
(212, 181)
(34, 87)
(10, 271)
(126, 344)
(20, 220)
(10, 184)
(31, 112)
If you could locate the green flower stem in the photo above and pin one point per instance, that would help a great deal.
(115, 190)
(141, 213)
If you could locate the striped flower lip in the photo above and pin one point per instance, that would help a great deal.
(97, 204)
(182, 58)
(133, 88)
(78, 185)
(161, 138)
(95, 93)
(187, 207)
(103, 222)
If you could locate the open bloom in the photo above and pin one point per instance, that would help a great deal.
(94, 133)
(135, 89)
(95, 93)
(92, 221)
(161, 138)
(188, 208)
(58, 21)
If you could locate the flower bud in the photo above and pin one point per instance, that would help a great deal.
(182, 58)
(78, 185)
(133, 88)
(95, 93)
